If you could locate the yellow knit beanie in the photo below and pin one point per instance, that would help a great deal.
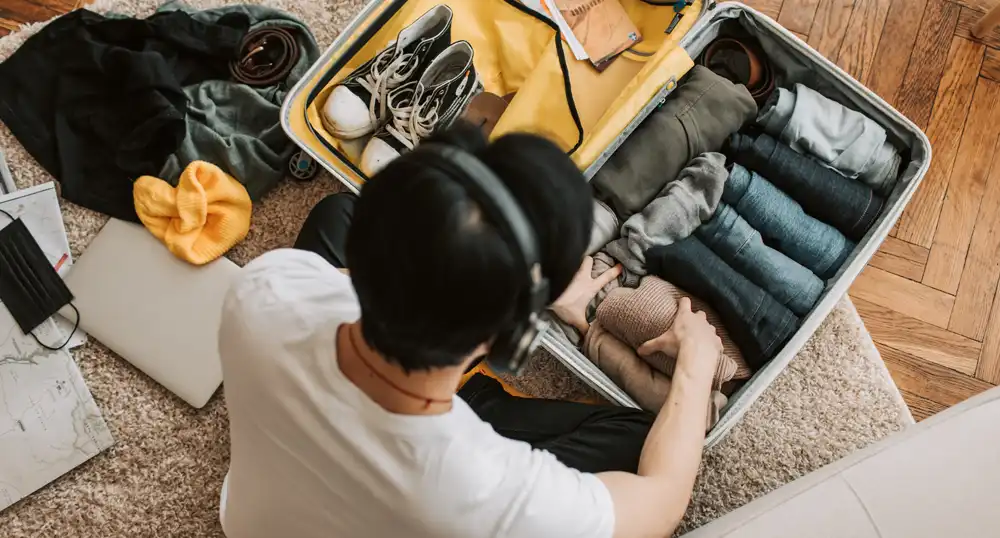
(200, 219)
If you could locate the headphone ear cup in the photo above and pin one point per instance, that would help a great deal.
(503, 356)
(511, 349)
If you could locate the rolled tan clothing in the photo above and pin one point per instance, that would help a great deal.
(641, 314)
(647, 386)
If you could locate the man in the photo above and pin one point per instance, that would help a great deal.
(341, 385)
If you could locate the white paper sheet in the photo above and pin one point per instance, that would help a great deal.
(574, 44)
(6, 179)
(49, 423)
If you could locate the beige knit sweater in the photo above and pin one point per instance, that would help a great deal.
(647, 386)
(641, 314)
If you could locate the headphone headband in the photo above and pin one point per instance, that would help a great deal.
(511, 348)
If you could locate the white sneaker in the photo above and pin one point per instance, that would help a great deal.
(419, 108)
(357, 106)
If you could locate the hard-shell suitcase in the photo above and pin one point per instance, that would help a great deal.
(596, 136)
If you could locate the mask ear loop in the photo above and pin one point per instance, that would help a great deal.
(76, 324)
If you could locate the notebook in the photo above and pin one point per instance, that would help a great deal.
(156, 311)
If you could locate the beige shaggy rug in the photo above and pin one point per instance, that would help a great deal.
(162, 476)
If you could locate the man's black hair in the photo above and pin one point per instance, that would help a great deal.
(435, 279)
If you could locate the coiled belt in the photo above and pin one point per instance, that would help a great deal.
(742, 62)
(266, 57)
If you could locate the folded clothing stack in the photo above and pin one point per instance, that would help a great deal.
(648, 387)
(696, 118)
(842, 139)
(755, 237)
(742, 247)
(685, 204)
(637, 315)
(757, 323)
(849, 206)
(629, 317)
(816, 245)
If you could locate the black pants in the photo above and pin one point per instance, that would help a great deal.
(588, 437)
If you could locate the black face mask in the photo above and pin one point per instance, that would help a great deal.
(30, 288)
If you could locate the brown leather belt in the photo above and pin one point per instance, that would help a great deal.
(742, 62)
(267, 56)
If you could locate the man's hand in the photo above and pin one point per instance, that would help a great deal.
(692, 339)
(653, 503)
(571, 306)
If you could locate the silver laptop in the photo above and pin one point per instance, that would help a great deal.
(158, 312)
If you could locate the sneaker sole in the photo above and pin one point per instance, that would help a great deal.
(345, 135)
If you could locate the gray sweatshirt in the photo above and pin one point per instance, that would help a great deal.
(682, 206)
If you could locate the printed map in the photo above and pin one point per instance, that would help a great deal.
(49, 422)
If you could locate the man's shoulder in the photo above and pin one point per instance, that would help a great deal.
(289, 285)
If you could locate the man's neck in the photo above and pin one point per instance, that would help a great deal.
(424, 392)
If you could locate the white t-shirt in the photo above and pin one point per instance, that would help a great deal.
(313, 456)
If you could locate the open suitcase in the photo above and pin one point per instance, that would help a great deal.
(590, 115)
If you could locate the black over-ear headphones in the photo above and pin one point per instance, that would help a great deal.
(511, 348)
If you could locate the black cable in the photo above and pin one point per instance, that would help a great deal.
(567, 83)
(76, 326)
(568, 87)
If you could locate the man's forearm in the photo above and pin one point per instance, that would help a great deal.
(673, 448)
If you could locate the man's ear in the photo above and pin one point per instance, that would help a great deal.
(473, 358)
(478, 353)
(481, 350)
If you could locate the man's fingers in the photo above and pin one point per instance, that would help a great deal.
(587, 265)
(683, 305)
(607, 277)
(665, 341)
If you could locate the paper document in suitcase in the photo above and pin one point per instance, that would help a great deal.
(602, 26)
(548, 9)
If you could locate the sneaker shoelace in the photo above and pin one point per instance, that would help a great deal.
(380, 80)
(412, 121)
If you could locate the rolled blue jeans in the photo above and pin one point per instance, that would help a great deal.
(756, 322)
(848, 205)
(784, 225)
(741, 246)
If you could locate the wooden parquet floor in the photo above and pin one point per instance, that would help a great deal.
(929, 297)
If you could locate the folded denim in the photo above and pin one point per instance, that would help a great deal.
(841, 138)
(648, 387)
(638, 315)
(741, 246)
(757, 323)
(784, 225)
(602, 263)
(695, 118)
(847, 205)
(684, 205)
